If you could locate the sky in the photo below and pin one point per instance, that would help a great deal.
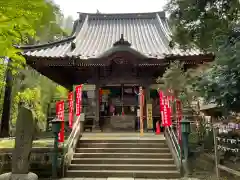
(71, 7)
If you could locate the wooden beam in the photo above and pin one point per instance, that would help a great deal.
(229, 170)
(50, 61)
(76, 61)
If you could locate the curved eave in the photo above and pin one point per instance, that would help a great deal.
(192, 59)
(104, 61)
(51, 44)
(46, 45)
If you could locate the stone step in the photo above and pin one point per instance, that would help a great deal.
(121, 145)
(122, 150)
(122, 155)
(110, 156)
(122, 161)
(133, 167)
(139, 141)
(123, 173)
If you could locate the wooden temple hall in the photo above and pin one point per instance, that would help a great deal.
(113, 54)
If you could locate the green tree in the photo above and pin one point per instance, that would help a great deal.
(21, 21)
(199, 23)
(211, 25)
(37, 92)
(221, 84)
(179, 80)
(24, 22)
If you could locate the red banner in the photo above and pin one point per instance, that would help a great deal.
(161, 100)
(165, 112)
(165, 109)
(60, 115)
(169, 111)
(78, 90)
(169, 103)
(70, 109)
(141, 103)
(179, 118)
(161, 106)
(100, 95)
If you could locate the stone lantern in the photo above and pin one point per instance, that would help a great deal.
(186, 130)
(56, 127)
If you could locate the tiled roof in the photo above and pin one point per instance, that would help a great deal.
(148, 33)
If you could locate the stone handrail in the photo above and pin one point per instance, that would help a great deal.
(72, 141)
(174, 146)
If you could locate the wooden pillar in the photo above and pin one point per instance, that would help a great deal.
(148, 101)
(96, 122)
(147, 87)
(122, 89)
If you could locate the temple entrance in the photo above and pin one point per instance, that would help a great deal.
(118, 108)
(115, 107)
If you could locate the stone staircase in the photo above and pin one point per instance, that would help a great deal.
(118, 157)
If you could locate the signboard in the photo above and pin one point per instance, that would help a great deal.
(78, 90)
(70, 109)
(149, 116)
(60, 115)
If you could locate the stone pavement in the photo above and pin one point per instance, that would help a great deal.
(124, 179)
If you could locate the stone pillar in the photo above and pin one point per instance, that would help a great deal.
(23, 145)
(97, 108)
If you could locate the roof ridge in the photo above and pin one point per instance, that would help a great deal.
(62, 41)
(126, 15)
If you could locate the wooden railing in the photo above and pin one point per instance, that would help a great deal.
(72, 142)
(174, 146)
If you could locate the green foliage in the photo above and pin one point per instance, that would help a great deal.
(19, 22)
(198, 23)
(222, 82)
(179, 81)
(2, 73)
(31, 98)
(35, 91)
(174, 77)
(24, 22)
(61, 92)
(211, 25)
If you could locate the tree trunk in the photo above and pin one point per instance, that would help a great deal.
(4, 131)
